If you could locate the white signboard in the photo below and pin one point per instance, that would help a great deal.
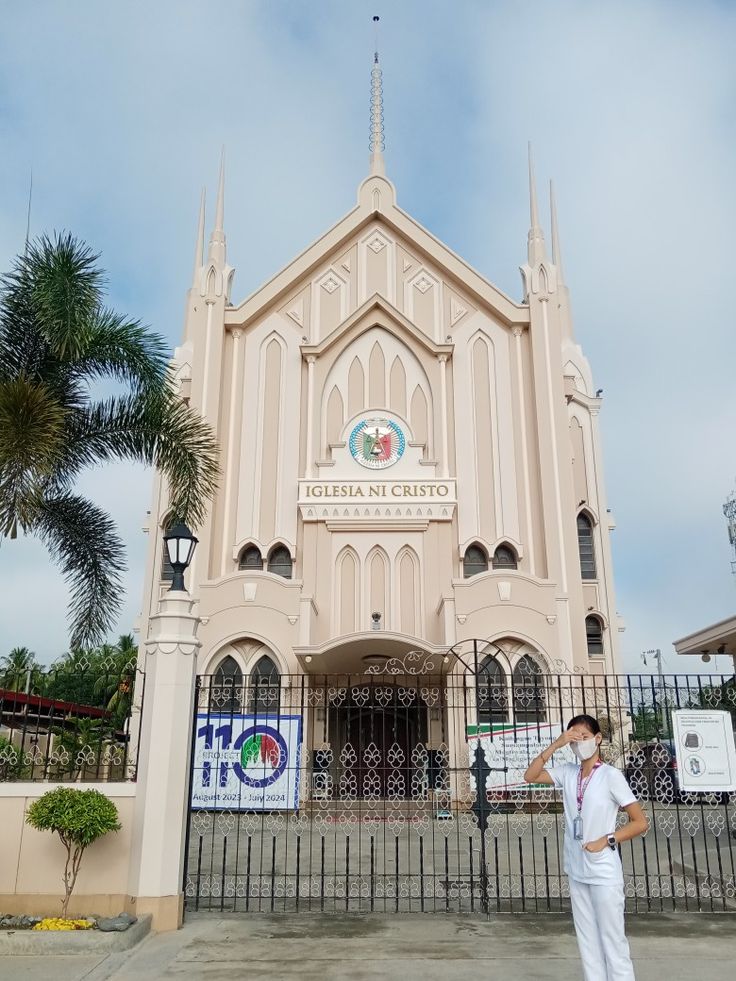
(246, 763)
(705, 752)
(514, 747)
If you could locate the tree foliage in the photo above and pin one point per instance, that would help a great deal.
(79, 817)
(19, 671)
(57, 341)
(650, 723)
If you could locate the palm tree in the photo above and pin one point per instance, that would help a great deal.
(19, 670)
(79, 745)
(58, 342)
(114, 686)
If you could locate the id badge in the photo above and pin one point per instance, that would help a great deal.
(577, 828)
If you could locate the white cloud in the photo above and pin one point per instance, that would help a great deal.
(121, 111)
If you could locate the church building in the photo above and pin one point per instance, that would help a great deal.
(410, 459)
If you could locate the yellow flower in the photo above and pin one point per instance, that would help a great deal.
(58, 923)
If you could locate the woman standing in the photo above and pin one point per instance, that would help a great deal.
(592, 794)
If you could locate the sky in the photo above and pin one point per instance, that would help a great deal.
(120, 111)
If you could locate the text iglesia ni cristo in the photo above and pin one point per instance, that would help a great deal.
(384, 489)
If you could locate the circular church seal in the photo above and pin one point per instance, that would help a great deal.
(377, 443)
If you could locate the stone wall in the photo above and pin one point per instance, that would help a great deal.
(32, 862)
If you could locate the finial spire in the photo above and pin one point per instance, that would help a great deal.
(376, 144)
(220, 209)
(217, 239)
(536, 250)
(28, 218)
(199, 248)
(556, 251)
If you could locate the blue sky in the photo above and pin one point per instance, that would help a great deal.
(121, 109)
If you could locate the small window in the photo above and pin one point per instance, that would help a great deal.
(491, 693)
(279, 562)
(586, 547)
(530, 696)
(594, 635)
(505, 558)
(227, 687)
(167, 569)
(264, 694)
(250, 558)
(474, 561)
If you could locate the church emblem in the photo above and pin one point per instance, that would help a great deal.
(377, 443)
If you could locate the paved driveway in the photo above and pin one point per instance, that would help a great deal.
(410, 948)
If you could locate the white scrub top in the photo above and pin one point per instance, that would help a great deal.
(607, 791)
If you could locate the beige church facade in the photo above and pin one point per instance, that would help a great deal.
(410, 458)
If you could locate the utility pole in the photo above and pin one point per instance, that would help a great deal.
(657, 655)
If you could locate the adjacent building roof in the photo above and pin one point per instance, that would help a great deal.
(718, 638)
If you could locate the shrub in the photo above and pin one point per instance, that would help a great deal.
(79, 817)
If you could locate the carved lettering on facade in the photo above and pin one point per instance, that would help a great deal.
(384, 489)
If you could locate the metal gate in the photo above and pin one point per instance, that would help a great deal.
(357, 793)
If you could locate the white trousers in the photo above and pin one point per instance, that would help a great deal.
(598, 914)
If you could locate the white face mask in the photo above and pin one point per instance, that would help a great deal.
(585, 748)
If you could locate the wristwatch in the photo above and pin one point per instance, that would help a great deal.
(611, 839)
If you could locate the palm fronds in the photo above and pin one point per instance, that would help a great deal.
(56, 339)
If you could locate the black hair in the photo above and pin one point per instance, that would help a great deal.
(585, 720)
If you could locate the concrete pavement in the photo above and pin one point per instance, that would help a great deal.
(408, 947)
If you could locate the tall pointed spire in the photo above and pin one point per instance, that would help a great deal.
(220, 209)
(562, 290)
(217, 239)
(536, 249)
(199, 248)
(376, 144)
(556, 251)
(28, 219)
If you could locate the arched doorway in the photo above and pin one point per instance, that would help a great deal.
(383, 730)
(383, 716)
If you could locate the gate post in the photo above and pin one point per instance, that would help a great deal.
(481, 771)
(162, 805)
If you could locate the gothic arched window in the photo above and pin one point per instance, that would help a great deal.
(227, 687)
(264, 691)
(505, 558)
(491, 693)
(475, 560)
(594, 635)
(586, 547)
(250, 558)
(279, 561)
(530, 701)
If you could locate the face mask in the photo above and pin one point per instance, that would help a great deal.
(585, 749)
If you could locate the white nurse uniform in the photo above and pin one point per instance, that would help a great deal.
(596, 878)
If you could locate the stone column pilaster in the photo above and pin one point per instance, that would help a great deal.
(162, 806)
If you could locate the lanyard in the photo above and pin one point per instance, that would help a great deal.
(582, 787)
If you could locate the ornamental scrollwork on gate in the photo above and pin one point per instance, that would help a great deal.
(413, 663)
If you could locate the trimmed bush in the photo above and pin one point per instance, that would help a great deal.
(79, 817)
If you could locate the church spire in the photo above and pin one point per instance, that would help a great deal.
(535, 248)
(556, 251)
(199, 248)
(217, 239)
(376, 144)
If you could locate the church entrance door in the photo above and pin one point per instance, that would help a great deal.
(387, 742)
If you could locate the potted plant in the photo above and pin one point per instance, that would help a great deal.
(79, 817)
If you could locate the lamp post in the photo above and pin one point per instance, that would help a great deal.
(179, 543)
(160, 822)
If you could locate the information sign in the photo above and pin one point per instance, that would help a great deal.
(705, 751)
(512, 749)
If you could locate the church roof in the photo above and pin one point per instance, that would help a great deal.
(377, 201)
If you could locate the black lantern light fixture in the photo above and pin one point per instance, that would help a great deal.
(179, 543)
